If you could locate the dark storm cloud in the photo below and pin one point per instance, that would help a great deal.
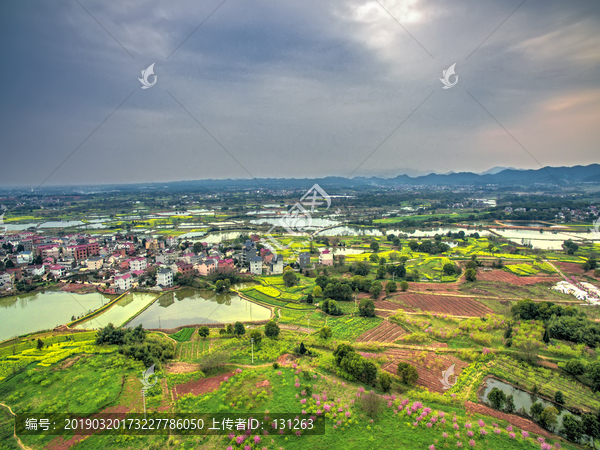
(294, 89)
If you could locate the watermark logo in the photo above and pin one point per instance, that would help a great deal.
(449, 372)
(447, 74)
(298, 220)
(146, 381)
(147, 74)
(596, 231)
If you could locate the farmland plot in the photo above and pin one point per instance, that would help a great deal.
(386, 332)
(429, 366)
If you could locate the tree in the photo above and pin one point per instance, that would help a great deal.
(333, 308)
(325, 333)
(376, 289)
(341, 352)
(371, 404)
(204, 331)
(374, 246)
(400, 271)
(9, 264)
(449, 269)
(403, 286)
(198, 247)
(385, 381)
(407, 373)
(525, 309)
(317, 292)
(381, 271)
(536, 410)
(374, 258)
(391, 286)
(366, 308)
(510, 404)
(361, 269)
(322, 281)
(559, 398)
(272, 329)
(548, 417)
(528, 346)
(382, 261)
(289, 278)
(572, 428)
(229, 329)
(239, 329)
(570, 247)
(302, 349)
(591, 426)
(309, 298)
(369, 372)
(593, 371)
(575, 367)
(497, 398)
(40, 344)
(471, 274)
(256, 335)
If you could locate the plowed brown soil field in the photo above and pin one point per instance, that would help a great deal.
(385, 332)
(429, 366)
(510, 278)
(445, 304)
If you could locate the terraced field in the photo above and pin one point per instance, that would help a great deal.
(386, 332)
(429, 366)
(446, 304)
(506, 277)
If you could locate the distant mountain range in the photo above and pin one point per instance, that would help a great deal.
(498, 176)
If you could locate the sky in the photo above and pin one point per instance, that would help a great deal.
(294, 89)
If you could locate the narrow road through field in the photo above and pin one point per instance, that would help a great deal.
(23, 446)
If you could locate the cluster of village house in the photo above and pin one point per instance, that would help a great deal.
(123, 261)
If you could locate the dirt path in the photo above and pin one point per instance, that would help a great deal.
(295, 328)
(522, 423)
(556, 268)
(23, 446)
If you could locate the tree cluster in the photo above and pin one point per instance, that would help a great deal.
(353, 365)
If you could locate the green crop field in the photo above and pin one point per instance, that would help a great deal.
(183, 335)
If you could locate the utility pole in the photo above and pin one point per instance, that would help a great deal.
(158, 321)
(252, 340)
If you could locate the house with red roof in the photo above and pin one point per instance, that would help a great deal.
(123, 281)
(326, 258)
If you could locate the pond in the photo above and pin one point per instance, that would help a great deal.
(27, 313)
(548, 240)
(213, 238)
(442, 231)
(524, 400)
(191, 306)
(526, 224)
(121, 311)
(61, 224)
(313, 224)
(349, 230)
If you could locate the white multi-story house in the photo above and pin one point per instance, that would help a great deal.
(123, 282)
(164, 278)
(57, 270)
(277, 265)
(24, 258)
(95, 263)
(138, 264)
(256, 265)
(326, 258)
